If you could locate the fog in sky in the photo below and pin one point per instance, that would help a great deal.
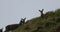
(11, 11)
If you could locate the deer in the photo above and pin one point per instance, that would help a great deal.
(22, 21)
(41, 11)
(14, 26)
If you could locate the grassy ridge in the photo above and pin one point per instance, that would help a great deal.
(49, 23)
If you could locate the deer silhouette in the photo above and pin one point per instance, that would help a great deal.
(41, 11)
(14, 26)
(22, 21)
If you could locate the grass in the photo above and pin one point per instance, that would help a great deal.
(49, 23)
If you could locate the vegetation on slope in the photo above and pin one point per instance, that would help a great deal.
(49, 23)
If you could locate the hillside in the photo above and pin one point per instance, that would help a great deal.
(49, 23)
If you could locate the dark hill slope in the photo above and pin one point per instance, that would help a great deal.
(49, 23)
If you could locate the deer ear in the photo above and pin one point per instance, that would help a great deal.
(42, 9)
(39, 10)
(25, 18)
(21, 18)
(2, 28)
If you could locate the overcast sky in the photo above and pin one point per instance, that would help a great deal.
(11, 11)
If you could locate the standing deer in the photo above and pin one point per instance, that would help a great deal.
(14, 26)
(41, 11)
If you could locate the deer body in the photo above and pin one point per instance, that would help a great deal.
(1, 30)
(14, 26)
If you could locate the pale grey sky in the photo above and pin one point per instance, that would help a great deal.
(11, 11)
